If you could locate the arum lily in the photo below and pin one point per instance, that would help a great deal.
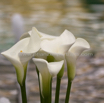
(20, 54)
(46, 72)
(73, 53)
(58, 48)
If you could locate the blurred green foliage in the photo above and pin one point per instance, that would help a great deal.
(94, 1)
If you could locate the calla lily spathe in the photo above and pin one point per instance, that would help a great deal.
(73, 53)
(22, 52)
(58, 47)
(46, 72)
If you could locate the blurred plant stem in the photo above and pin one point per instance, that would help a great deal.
(50, 91)
(41, 98)
(68, 91)
(57, 90)
(23, 93)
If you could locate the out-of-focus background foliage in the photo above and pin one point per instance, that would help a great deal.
(84, 18)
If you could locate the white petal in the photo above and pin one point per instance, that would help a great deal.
(12, 56)
(51, 46)
(46, 71)
(54, 46)
(12, 53)
(67, 37)
(45, 68)
(59, 45)
(25, 57)
(55, 67)
(33, 46)
(41, 65)
(34, 43)
(45, 77)
(79, 46)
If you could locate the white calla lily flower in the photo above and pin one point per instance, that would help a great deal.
(22, 52)
(74, 52)
(58, 46)
(46, 72)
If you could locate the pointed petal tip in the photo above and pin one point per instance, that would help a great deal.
(66, 30)
(83, 43)
(78, 47)
(34, 28)
(68, 37)
(3, 53)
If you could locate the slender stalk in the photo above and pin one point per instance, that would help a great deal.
(41, 98)
(50, 92)
(23, 93)
(57, 90)
(68, 91)
(46, 100)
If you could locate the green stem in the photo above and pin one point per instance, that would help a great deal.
(68, 91)
(48, 99)
(50, 91)
(23, 93)
(57, 90)
(41, 98)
